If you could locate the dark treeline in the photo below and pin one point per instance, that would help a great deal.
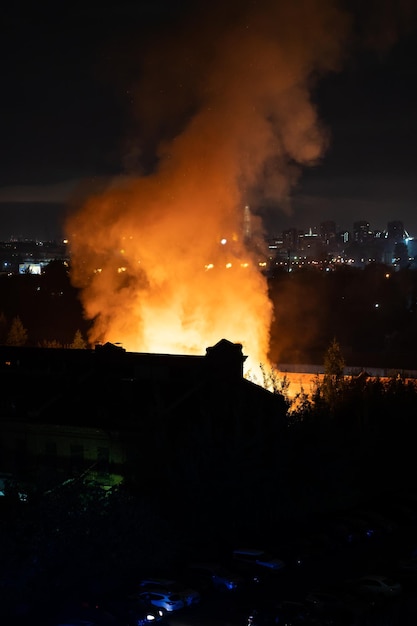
(47, 305)
(372, 312)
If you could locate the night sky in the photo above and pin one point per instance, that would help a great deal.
(70, 120)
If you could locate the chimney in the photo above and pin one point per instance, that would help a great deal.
(225, 359)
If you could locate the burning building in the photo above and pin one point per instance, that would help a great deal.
(223, 105)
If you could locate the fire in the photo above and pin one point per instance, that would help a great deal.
(168, 261)
(148, 284)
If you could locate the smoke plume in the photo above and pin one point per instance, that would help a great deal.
(223, 118)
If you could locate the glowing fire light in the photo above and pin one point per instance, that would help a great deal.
(253, 121)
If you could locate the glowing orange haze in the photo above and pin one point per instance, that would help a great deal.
(150, 283)
(141, 249)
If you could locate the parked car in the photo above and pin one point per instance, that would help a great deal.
(168, 601)
(346, 530)
(320, 534)
(407, 564)
(319, 599)
(334, 601)
(382, 524)
(133, 612)
(210, 576)
(189, 596)
(376, 586)
(366, 528)
(291, 613)
(259, 558)
(257, 567)
(300, 548)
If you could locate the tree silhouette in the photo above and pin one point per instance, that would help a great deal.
(334, 362)
(78, 342)
(333, 379)
(50, 343)
(18, 334)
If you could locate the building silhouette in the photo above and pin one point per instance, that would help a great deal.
(361, 231)
(112, 413)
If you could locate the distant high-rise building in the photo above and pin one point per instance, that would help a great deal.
(395, 231)
(327, 231)
(361, 231)
(400, 256)
(311, 245)
(290, 238)
(343, 236)
(412, 251)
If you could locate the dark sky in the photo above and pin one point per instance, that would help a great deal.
(68, 121)
(369, 169)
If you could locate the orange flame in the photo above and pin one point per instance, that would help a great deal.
(164, 260)
(163, 280)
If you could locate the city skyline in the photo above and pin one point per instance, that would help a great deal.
(321, 247)
(54, 233)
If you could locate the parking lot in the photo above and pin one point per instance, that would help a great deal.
(386, 549)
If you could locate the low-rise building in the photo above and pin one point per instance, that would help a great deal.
(108, 412)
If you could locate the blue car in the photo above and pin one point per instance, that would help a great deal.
(214, 576)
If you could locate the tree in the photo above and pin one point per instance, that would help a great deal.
(78, 342)
(333, 379)
(18, 334)
(274, 382)
(50, 343)
(334, 363)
